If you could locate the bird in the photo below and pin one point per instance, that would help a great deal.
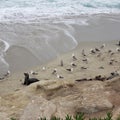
(83, 67)
(73, 64)
(118, 49)
(8, 73)
(103, 45)
(28, 81)
(33, 73)
(43, 68)
(97, 49)
(83, 53)
(69, 69)
(74, 57)
(118, 43)
(54, 71)
(92, 51)
(61, 63)
(58, 76)
(85, 60)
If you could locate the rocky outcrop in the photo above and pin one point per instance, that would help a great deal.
(59, 98)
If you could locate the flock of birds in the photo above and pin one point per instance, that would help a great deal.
(28, 81)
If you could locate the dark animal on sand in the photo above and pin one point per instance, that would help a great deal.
(28, 80)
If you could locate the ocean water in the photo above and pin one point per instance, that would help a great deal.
(29, 10)
(47, 28)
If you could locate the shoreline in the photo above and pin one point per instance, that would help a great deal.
(51, 65)
(44, 42)
(76, 82)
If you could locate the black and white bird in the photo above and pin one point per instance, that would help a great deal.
(54, 71)
(92, 51)
(96, 49)
(83, 67)
(74, 57)
(73, 64)
(33, 72)
(59, 76)
(118, 49)
(83, 53)
(69, 69)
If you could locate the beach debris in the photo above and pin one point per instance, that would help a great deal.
(54, 71)
(113, 74)
(74, 57)
(99, 77)
(103, 46)
(61, 63)
(84, 79)
(73, 64)
(28, 81)
(69, 69)
(59, 76)
(33, 72)
(83, 53)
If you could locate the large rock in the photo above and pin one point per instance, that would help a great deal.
(59, 98)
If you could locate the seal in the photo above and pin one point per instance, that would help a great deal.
(28, 81)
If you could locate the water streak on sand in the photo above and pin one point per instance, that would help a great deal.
(4, 46)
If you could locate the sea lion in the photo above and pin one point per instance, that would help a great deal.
(28, 80)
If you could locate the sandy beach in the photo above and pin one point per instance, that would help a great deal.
(78, 66)
(104, 61)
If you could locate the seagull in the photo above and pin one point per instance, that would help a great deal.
(54, 71)
(83, 67)
(83, 53)
(43, 68)
(118, 49)
(73, 56)
(92, 51)
(103, 45)
(85, 60)
(118, 43)
(33, 73)
(69, 69)
(61, 63)
(73, 64)
(58, 76)
(8, 73)
(97, 49)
